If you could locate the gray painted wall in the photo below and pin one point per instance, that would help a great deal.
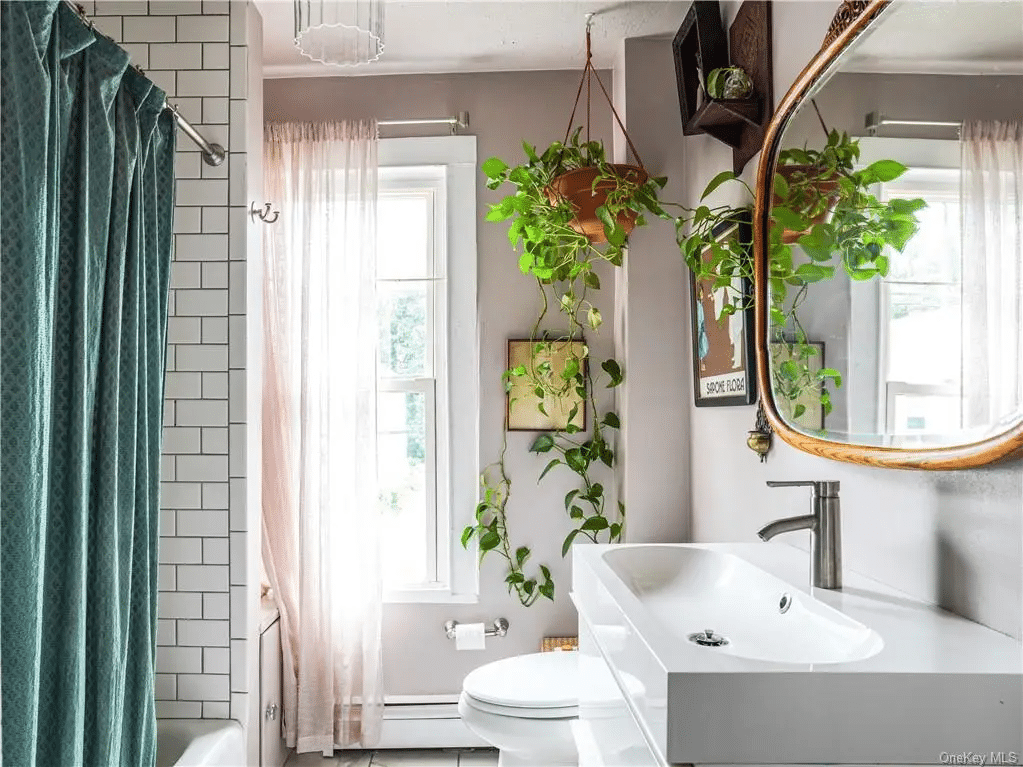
(951, 537)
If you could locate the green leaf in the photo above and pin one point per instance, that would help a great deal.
(514, 578)
(521, 555)
(576, 512)
(494, 167)
(615, 235)
(611, 419)
(501, 211)
(906, 206)
(542, 444)
(831, 373)
(800, 409)
(593, 317)
(576, 461)
(466, 535)
(596, 524)
(781, 186)
(550, 465)
(490, 540)
(605, 217)
(615, 531)
(570, 496)
(789, 219)
(547, 589)
(530, 152)
(568, 542)
(591, 280)
(884, 170)
(546, 573)
(613, 370)
(526, 262)
(571, 371)
(715, 182)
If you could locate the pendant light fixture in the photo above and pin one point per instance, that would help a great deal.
(340, 32)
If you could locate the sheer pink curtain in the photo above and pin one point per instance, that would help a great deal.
(319, 429)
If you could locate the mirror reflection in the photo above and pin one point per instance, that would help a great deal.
(896, 300)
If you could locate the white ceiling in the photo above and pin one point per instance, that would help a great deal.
(480, 35)
(943, 37)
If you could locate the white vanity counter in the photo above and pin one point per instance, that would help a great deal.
(864, 675)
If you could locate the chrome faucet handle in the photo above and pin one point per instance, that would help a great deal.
(822, 488)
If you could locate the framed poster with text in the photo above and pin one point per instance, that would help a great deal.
(724, 365)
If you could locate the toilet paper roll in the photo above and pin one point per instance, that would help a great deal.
(470, 636)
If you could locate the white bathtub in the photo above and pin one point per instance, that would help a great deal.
(199, 743)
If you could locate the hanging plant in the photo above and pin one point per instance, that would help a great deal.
(570, 210)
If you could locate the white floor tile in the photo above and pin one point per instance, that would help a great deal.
(353, 758)
(415, 758)
(313, 759)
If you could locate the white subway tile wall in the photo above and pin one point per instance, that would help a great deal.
(195, 50)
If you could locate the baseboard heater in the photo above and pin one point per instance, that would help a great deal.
(428, 722)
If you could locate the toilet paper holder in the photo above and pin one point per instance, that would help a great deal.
(499, 629)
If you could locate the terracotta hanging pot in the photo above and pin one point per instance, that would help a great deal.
(576, 187)
(826, 189)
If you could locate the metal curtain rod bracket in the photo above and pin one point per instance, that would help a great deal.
(499, 630)
(875, 120)
(212, 154)
(457, 123)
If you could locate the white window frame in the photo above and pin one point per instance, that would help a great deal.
(456, 426)
(869, 324)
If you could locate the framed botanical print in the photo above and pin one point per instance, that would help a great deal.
(546, 361)
(724, 367)
(798, 398)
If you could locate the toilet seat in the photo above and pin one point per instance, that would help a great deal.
(522, 712)
(535, 686)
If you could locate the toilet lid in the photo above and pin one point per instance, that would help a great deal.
(539, 680)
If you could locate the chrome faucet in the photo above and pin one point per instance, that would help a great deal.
(826, 525)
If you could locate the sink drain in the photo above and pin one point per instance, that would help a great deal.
(784, 603)
(707, 638)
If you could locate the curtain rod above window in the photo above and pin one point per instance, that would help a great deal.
(457, 123)
(212, 154)
(875, 120)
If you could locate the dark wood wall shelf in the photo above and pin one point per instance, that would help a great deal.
(727, 120)
(750, 47)
(700, 47)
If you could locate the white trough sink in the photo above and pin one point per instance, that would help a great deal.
(863, 675)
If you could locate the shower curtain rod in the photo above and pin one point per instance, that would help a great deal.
(875, 120)
(212, 154)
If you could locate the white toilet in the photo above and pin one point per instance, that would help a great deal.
(528, 708)
(524, 706)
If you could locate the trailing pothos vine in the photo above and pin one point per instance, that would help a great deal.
(562, 262)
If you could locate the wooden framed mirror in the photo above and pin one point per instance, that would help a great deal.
(915, 294)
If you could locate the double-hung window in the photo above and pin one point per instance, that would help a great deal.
(427, 393)
(922, 315)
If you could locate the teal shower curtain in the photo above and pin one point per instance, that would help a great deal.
(85, 222)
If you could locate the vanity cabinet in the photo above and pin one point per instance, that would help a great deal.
(607, 733)
(272, 751)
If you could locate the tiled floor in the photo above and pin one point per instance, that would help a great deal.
(446, 757)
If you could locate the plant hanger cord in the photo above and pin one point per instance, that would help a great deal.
(588, 73)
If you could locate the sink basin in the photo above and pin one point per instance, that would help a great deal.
(792, 674)
(691, 591)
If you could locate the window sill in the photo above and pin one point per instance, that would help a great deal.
(429, 596)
